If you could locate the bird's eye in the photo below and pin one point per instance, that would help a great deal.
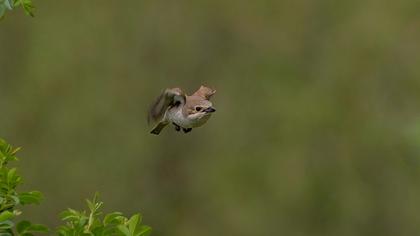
(198, 108)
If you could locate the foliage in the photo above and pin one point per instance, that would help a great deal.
(76, 222)
(10, 199)
(82, 223)
(5, 5)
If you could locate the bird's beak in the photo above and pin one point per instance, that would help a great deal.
(209, 110)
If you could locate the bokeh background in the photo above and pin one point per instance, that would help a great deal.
(317, 129)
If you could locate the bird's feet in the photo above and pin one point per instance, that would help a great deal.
(177, 127)
(186, 130)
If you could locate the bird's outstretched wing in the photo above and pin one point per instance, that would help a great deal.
(168, 98)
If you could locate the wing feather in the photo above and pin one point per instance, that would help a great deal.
(166, 99)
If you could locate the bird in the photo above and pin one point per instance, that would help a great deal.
(183, 111)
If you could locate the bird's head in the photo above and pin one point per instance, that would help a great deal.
(198, 108)
(198, 105)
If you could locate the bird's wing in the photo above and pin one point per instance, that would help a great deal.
(168, 98)
(205, 92)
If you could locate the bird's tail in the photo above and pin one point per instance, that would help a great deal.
(158, 128)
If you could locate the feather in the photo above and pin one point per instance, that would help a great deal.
(204, 92)
(166, 99)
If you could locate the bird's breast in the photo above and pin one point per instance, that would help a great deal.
(177, 116)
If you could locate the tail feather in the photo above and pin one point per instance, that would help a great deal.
(158, 128)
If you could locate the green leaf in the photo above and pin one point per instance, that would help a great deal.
(132, 223)
(112, 218)
(5, 234)
(22, 226)
(144, 231)
(124, 230)
(94, 205)
(33, 197)
(25, 227)
(83, 220)
(9, 5)
(66, 214)
(17, 3)
(38, 228)
(5, 215)
(15, 199)
(11, 175)
(26, 234)
(73, 216)
(27, 5)
(6, 224)
(90, 205)
(15, 150)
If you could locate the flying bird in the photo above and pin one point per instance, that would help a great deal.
(183, 111)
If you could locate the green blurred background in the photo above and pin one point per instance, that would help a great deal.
(317, 129)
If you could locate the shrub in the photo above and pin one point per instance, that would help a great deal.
(76, 222)
(10, 199)
(80, 223)
(12, 4)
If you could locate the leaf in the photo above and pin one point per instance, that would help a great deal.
(94, 205)
(144, 231)
(17, 3)
(71, 215)
(15, 199)
(111, 218)
(33, 197)
(26, 234)
(6, 234)
(90, 205)
(15, 150)
(124, 230)
(6, 224)
(83, 220)
(5, 215)
(38, 228)
(9, 5)
(22, 226)
(27, 5)
(11, 175)
(132, 223)
(65, 214)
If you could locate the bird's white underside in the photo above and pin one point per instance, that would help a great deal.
(176, 116)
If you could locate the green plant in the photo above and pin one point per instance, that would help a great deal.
(5, 5)
(82, 223)
(76, 222)
(10, 199)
